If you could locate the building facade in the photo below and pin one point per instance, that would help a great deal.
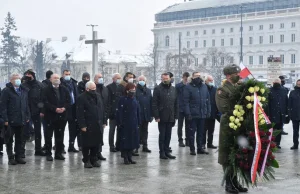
(270, 28)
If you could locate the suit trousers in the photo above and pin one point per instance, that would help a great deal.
(58, 128)
(17, 132)
(197, 126)
(182, 119)
(209, 128)
(165, 133)
(89, 153)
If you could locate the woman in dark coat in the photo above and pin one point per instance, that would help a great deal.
(128, 120)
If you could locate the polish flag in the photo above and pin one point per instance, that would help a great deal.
(244, 71)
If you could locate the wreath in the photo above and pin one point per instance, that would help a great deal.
(251, 144)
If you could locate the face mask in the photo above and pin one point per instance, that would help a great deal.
(67, 78)
(17, 82)
(27, 78)
(100, 81)
(86, 81)
(166, 82)
(130, 80)
(211, 84)
(142, 83)
(56, 82)
(131, 94)
(118, 81)
(235, 79)
(92, 92)
(276, 85)
(197, 80)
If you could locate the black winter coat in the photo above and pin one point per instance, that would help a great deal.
(81, 87)
(197, 101)
(128, 120)
(14, 108)
(179, 89)
(215, 114)
(144, 98)
(278, 105)
(165, 103)
(294, 104)
(47, 82)
(114, 94)
(90, 115)
(35, 96)
(51, 103)
(103, 91)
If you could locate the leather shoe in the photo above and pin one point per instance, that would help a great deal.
(278, 146)
(100, 157)
(88, 165)
(145, 149)
(40, 153)
(95, 164)
(20, 161)
(49, 158)
(12, 162)
(72, 149)
(284, 133)
(212, 146)
(170, 156)
(294, 147)
(181, 144)
(193, 153)
(163, 156)
(202, 151)
(59, 157)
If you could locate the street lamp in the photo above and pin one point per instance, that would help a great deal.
(241, 29)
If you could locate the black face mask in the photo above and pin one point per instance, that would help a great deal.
(86, 81)
(276, 85)
(131, 94)
(197, 81)
(92, 93)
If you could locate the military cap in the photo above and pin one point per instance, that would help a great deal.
(231, 69)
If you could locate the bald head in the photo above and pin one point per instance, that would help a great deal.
(55, 80)
(277, 80)
(90, 86)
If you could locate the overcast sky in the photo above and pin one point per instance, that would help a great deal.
(125, 24)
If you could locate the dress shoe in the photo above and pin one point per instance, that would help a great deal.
(49, 158)
(278, 146)
(145, 149)
(72, 149)
(59, 157)
(202, 151)
(95, 164)
(294, 147)
(88, 165)
(113, 150)
(181, 144)
(12, 162)
(212, 146)
(193, 153)
(170, 156)
(20, 161)
(284, 133)
(131, 161)
(40, 153)
(100, 157)
(163, 156)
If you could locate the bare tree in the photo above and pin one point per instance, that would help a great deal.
(26, 57)
(102, 64)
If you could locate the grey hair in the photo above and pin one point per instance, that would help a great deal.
(87, 85)
(277, 80)
(142, 76)
(14, 75)
(115, 75)
(206, 77)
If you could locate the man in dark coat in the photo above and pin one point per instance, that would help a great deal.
(71, 84)
(91, 118)
(103, 92)
(278, 107)
(209, 126)
(15, 112)
(181, 117)
(85, 79)
(165, 112)
(114, 94)
(282, 78)
(197, 108)
(35, 102)
(144, 98)
(1, 132)
(56, 100)
(294, 113)
(47, 81)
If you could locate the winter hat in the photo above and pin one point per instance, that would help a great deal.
(86, 75)
(31, 72)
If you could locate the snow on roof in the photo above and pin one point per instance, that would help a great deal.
(199, 4)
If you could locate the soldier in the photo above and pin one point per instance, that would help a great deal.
(225, 105)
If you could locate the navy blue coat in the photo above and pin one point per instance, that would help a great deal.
(197, 101)
(128, 120)
(144, 98)
(214, 109)
(294, 104)
(278, 105)
(179, 89)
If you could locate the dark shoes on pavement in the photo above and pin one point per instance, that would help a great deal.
(294, 147)
(212, 146)
(135, 152)
(49, 158)
(181, 144)
(126, 161)
(170, 156)
(163, 156)
(284, 133)
(59, 157)
(113, 150)
(202, 151)
(20, 161)
(12, 161)
(88, 165)
(193, 153)
(145, 149)
(95, 164)
(40, 153)
(72, 149)
(100, 157)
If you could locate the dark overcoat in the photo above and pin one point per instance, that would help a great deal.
(144, 98)
(278, 105)
(294, 104)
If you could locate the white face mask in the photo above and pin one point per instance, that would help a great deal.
(100, 81)
(118, 81)
(130, 80)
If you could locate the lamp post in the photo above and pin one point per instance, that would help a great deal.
(241, 38)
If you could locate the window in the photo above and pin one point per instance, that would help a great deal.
(282, 59)
(188, 44)
(231, 30)
(167, 41)
(222, 30)
(204, 32)
(196, 62)
(271, 26)
(261, 39)
(250, 40)
(231, 60)
(250, 28)
(213, 42)
(261, 27)
(282, 25)
(261, 60)
(293, 58)
(188, 33)
(213, 31)
(271, 39)
(222, 61)
(196, 44)
(293, 37)
(293, 24)
(250, 60)
(282, 38)
(231, 41)
(222, 42)
(204, 43)
(204, 61)
(196, 33)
